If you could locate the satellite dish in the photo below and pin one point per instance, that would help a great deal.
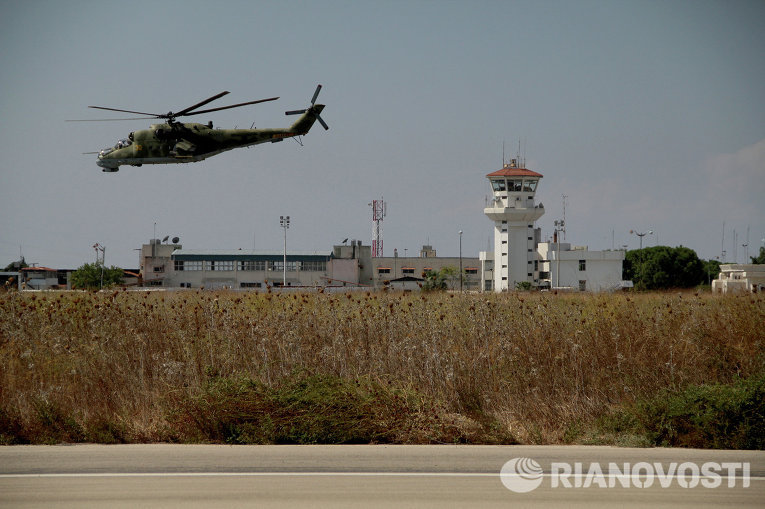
(176, 240)
(166, 237)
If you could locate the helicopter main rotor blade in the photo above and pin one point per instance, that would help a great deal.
(154, 115)
(228, 107)
(170, 116)
(201, 103)
(109, 119)
(165, 115)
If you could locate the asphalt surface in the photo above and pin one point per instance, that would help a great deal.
(190, 476)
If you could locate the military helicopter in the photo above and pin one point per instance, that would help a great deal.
(176, 142)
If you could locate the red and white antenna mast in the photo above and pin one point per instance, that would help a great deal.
(379, 211)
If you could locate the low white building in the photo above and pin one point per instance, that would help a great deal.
(740, 278)
(566, 267)
(562, 265)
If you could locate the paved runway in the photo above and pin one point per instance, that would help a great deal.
(188, 476)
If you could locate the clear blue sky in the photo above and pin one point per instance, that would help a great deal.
(648, 115)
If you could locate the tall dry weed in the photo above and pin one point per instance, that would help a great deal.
(536, 363)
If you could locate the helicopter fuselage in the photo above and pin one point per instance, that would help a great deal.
(175, 142)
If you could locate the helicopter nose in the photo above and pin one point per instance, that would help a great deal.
(106, 166)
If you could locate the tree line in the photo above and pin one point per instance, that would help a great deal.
(664, 267)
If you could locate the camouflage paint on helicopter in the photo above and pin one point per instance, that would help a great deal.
(175, 142)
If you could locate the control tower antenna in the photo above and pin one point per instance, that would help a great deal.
(379, 211)
(520, 155)
(565, 196)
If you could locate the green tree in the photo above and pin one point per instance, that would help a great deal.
(662, 267)
(711, 269)
(437, 280)
(16, 266)
(760, 258)
(88, 276)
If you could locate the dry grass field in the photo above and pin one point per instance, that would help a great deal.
(363, 367)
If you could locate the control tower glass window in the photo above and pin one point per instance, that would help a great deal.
(529, 186)
(514, 185)
(498, 185)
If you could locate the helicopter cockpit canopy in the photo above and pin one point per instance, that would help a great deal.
(124, 142)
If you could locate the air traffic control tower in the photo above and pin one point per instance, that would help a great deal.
(513, 211)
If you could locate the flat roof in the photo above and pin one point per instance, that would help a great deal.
(248, 255)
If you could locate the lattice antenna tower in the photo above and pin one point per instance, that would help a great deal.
(379, 211)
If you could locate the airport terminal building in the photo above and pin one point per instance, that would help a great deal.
(171, 266)
(345, 266)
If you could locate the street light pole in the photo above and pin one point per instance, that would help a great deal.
(560, 226)
(103, 262)
(460, 261)
(98, 247)
(641, 235)
(284, 222)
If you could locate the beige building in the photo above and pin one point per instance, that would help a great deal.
(740, 278)
(408, 272)
(155, 263)
(346, 266)
(171, 266)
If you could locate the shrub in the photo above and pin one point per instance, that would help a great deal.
(316, 409)
(717, 416)
(713, 416)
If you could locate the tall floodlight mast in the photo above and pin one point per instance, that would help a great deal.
(284, 222)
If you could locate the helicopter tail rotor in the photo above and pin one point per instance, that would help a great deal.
(313, 109)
